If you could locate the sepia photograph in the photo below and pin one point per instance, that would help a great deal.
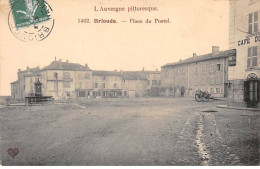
(129, 83)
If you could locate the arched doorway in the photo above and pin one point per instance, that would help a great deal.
(252, 90)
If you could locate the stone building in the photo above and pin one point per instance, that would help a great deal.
(14, 90)
(63, 79)
(206, 72)
(153, 83)
(134, 84)
(18, 87)
(107, 84)
(244, 36)
(139, 78)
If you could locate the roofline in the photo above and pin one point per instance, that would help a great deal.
(65, 69)
(143, 71)
(106, 75)
(14, 82)
(134, 79)
(29, 75)
(194, 61)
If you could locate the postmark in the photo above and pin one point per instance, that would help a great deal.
(30, 20)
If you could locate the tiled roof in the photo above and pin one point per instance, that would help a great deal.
(105, 73)
(58, 65)
(33, 74)
(133, 76)
(200, 58)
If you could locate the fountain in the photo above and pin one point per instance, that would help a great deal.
(37, 97)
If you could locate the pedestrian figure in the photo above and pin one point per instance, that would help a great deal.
(182, 91)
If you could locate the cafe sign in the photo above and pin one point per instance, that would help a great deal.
(248, 40)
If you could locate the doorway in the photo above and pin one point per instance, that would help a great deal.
(252, 90)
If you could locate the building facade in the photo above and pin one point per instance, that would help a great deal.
(154, 82)
(64, 80)
(107, 84)
(244, 36)
(19, 89)
(206, 72)
(134, 84)
(14, 90)
(145, 83)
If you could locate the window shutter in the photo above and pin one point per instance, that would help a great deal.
(250, 23)
(246, 91)
(258, 22)
(249, 57)
(249, 52)
(258, 91)
(258, 56)
(248, 62)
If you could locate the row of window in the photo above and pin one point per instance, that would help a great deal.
(212, 68)
(154, 82)
(207, 80)
(66, 75)
(67, 85)
(103, 85)
(203, 69)
(217, 91)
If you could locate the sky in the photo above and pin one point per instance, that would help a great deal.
(196, 26)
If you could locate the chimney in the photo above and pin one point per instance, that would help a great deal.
(19, 70)
(55, 58)
(27, 68)
(156, 70)
(215, 50)
(60, 60)
(143, 69)
(67, 61)
(194, 55)
(86, 65)
(180, 60)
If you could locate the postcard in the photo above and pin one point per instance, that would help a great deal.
(129, 82)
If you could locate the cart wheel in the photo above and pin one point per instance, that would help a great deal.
(205, 99)
(198, 98)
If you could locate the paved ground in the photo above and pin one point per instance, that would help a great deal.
(141, 131)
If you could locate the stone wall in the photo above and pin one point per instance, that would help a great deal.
(236, 90)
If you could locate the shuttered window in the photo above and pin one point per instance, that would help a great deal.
(253, 22)
(252, 59)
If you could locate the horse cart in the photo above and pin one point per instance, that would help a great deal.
(203, 96)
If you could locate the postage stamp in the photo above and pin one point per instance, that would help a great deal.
(28, 12)
(30, 20)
